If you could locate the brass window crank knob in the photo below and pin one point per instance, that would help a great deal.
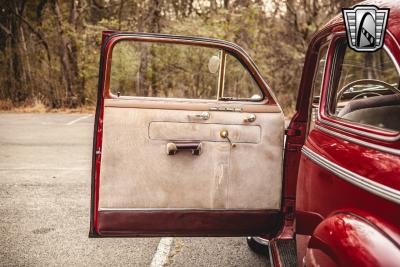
(225, 134)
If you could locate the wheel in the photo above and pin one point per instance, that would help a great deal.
(258, 244)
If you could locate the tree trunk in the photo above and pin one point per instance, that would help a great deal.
(69, 57)
(63, 53)
(26, 61)
(73, 55)
(18, 93)
(155, 17)
(141, 82)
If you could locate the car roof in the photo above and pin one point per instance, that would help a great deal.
(393, 25)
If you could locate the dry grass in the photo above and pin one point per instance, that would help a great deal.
(38, 107)
(6, 105)
(83, 109)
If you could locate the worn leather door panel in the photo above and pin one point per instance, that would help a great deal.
(209, 132)
(137, 173)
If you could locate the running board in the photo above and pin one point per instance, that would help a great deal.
(283, 253)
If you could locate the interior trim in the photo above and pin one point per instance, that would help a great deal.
(353, 178)
(188, 223)
(359, 142)
(194, 105)
(137, 171)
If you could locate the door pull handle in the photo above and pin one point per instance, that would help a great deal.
(193, 146)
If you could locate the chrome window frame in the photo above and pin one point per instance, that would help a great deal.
(328, 98)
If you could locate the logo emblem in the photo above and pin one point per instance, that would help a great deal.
(365, 27)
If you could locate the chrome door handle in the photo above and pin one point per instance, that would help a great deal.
(194, 146)
(250, 118)
(203, 116)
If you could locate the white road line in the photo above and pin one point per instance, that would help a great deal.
(160, 258)
(78, 119)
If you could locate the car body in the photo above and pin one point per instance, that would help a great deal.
(329, 195)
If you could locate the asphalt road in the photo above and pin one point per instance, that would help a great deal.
(45, 164)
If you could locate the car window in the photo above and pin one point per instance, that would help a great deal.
(239, 84)
(162, 70)
(366, 89)
(317, 84)
(148, 69)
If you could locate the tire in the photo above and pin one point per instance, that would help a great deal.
(258, 245)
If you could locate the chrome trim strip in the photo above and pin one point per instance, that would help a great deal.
(355, 131)
(271, 259)
(261, 241)
(353, 178)
(360, 142)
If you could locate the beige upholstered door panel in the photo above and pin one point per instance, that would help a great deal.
(137, 173)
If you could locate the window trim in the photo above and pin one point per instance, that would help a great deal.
(224, 46)
(221, 75)
(325, 118)
(324, 45)
(222, 97)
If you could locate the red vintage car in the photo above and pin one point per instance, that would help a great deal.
(189, 140)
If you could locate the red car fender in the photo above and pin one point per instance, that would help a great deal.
(346, 239)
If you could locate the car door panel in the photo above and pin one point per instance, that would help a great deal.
(231, 187)
(185, 194)
(140, 182)
(137, 172)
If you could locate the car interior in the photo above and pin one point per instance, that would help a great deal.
(380, 111)
(368, 90)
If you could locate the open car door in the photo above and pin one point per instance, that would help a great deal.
(188, 140)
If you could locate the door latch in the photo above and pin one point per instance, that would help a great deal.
(293, 132)
(250, 118)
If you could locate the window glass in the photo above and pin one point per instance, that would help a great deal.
(317, 84)
(239, 84)
(319, 75)
(178, 71)
(366, 89)
(163, 70)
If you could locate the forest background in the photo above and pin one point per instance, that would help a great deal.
(49, 49)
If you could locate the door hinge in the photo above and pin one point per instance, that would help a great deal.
(293, 132)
